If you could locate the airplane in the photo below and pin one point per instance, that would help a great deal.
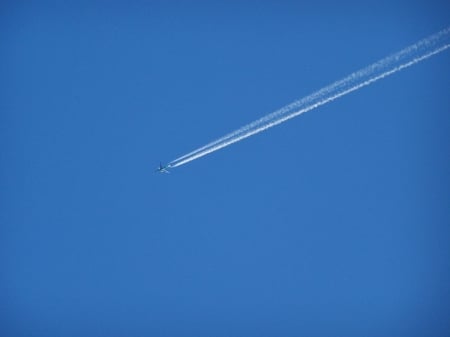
(162, 169)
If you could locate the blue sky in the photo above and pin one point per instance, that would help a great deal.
(332, 224)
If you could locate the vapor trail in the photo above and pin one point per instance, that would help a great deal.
(407, 57)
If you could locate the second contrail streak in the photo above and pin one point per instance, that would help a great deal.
(407, 57)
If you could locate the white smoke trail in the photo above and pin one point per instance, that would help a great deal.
(407, 57)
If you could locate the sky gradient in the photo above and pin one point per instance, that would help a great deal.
(332, 224)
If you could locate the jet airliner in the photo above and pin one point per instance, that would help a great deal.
(162, 169)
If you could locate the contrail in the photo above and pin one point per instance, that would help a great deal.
(407, 57)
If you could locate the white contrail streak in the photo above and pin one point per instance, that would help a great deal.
(407, 57)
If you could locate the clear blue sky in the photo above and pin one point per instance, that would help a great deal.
(333, 224)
